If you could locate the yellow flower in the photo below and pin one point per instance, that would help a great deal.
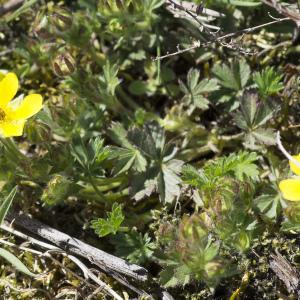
(14, 114)
(290, 188)
(293, 166)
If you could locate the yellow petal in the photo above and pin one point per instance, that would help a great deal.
(31, 105)
(290, 189)
(294, 168)
(8, 88)
(9, 129)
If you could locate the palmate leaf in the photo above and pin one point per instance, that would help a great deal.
(266, 136)
(252, 118)
(269, 206)
(233, 77)
(127, 159)
(194, 177)
(253, 113)
(245, 167)
(143, 139)
(268, 81)
(258, 137)
(174, 275)
(144, 184)
(133, 246)
(240, 164)
(164, 179)
(151, 159)
(168, 180)
(90, 154)
(195, 90)
(119, 135)
(128, 155)
(249, 105)
(192, 79)
(110, 225)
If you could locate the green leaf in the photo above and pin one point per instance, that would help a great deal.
(127, 159)
(5, 205)
(110, 78)
(111, 225)
(134, 247)
(266, 136)
(97, 152)
(206, 86)
(144, 140)
(290, 227)
(173, 276)
(244, 166)
(200, 102)
(234, 77)
(192, 176)
(226, 77)
(252, 116)
(264, 114)
(195, 91)
(89, 155)
(138, 87)
(163, 179)
(192, 78)
(12, 259)
(137, 143)
(240, 164)
(119, 135)
(211, 252)
(268, 81)
(269, 206)
(249, 106)
(79, 152)
(168, 181)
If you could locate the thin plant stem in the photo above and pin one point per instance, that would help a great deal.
(285, 153)
(92, 182)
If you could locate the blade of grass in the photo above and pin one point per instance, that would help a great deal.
(5, 205)
(26, 5)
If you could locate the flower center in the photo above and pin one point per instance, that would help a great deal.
(2, 115)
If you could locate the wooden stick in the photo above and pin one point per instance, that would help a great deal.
(105, 261)
(292, 14)
(9, 6)
(286, 272)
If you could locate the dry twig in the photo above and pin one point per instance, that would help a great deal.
(293, 15)
(106, 261)
(10, 6)
(52, 249)
(286, 272)
(220, 39)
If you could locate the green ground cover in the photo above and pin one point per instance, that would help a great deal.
(170, 163)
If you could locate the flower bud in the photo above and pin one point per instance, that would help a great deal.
(57, 190)
(61, 19)
(63, 65)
